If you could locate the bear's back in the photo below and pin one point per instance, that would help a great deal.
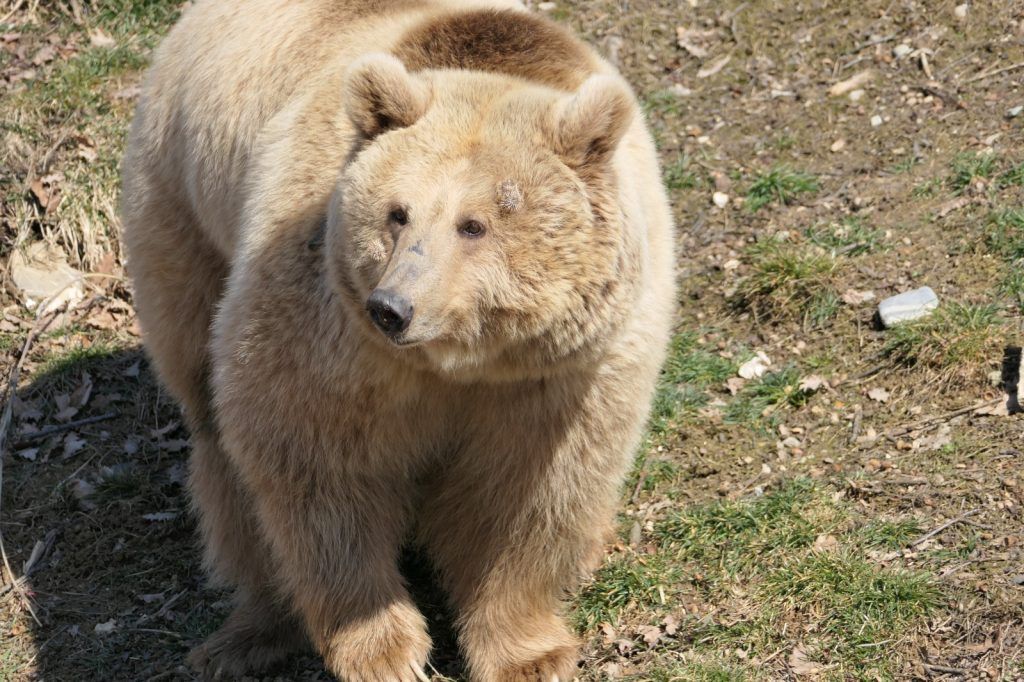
(501, 41)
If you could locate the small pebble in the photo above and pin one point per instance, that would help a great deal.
(1015, 112)
(838, 145)
(856, 95)
(960, 11)
(876, 121)
(721, 199)
(901, 50)
(679, 90)
(546, 6)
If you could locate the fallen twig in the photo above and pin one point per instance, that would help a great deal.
(14, 10)
(989, 74)
(858, 417)
(40, 550)
(952, 522)
(5, 423)
(161, 611)
(943, 669)
(903, 430)
(60, 428)
(869, 43)
(641, 479)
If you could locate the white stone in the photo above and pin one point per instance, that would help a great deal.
(907, 306)
(901, 50)
(721, 199)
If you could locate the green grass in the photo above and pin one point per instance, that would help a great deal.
(731, 535)
(1014, 177)
(906, 164)
(1006, 233)
(890, 534)
(626, 582)
(789, 280)
(1005, 238)
(966, 168)
(764, 552)
(664, 102)
(958, 342)
(928, 188)
(760, 400)
(857, 606)
(1013, 286)
(686, 375)
(75, 360)
(779, 185)
(692, 672)
(77, 106)
(119, 484)
(679, 174)
(850, 237)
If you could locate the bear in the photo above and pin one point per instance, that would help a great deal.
(408, 268)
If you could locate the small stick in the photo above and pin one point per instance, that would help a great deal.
(5, 423)
(941, 418)
(983, 76)
(944, 669)
(858, 416)
(161, 611)
(947, 524)
(641, 480)
(60, 428)
(870, 43)
(13, 11)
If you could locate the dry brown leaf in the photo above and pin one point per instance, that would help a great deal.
(800, 664)
(879, 395)
(690, 40)
(98, 38)
(734, 384)
(825, 543)
(46, 54)
(812, 383)
(80, 397)
(650, 633)
(72, 444)
(714, 67)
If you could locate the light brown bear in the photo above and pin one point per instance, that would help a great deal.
(408, 266)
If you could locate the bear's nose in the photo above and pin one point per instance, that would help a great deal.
(389, 311)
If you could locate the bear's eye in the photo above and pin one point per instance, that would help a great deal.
(398, 216)
(471, 228)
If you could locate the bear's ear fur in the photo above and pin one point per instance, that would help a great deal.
(590, 123)
(380, 95)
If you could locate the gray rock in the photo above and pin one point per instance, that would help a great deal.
(907, 306)
(1015, 111)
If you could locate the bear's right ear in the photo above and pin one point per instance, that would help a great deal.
(380, 95)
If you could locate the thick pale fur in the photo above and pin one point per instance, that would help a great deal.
(271, 144)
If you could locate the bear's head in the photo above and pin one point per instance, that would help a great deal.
(476, 229)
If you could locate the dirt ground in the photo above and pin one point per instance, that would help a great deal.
(851, 510)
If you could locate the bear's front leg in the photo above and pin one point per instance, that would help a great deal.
(520, 515)
(336, 541)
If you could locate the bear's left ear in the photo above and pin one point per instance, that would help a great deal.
(380, 95)
(590, 123)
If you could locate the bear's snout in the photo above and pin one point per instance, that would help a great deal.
(391, 312)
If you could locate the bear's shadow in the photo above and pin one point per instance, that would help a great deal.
(119, 588)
